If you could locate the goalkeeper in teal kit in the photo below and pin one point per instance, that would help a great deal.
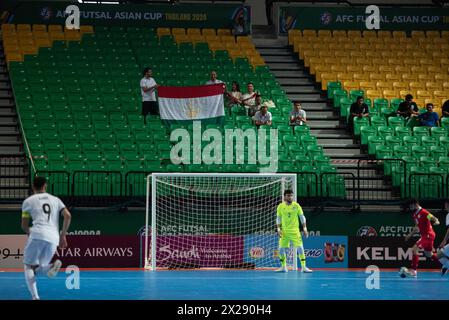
(289, 213)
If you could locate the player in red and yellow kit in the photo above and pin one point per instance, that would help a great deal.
(423, 224)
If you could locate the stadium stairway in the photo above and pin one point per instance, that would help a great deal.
(336, 140)
(13, 164)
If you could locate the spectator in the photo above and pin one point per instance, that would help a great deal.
(445, 109)
(213, 79)
(297, 115)
(429, 118)
(239, 28)
(408, 110)
(148, 88)
(268, 11)
(263, 117)
(358, 109)
(253, 109)
(249, 98)
(234, 96)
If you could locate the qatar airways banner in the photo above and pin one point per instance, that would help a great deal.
(101, 252)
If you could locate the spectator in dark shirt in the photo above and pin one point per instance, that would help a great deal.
(429, 118)
(408, 109)
(358, 109)
(445, 109)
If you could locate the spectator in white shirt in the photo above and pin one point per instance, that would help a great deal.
(148, 88)
(213, 79)
(297, 115)
(263, 117)
(249, 98)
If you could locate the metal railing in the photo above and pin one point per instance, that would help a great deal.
(375, 181)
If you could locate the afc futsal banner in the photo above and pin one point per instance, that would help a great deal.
(320, 251)
(147, 15)
(353, 18)
(187, 104)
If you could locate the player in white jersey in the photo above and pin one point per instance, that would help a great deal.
(443, 248)
(44, 210)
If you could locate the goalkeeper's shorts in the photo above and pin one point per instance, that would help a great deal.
(294, 237)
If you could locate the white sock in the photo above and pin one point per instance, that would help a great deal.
(30, 278)
(445, 262)
(44, 269)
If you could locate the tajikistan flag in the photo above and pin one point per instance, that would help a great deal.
(187, 104)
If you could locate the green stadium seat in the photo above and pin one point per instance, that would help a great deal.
(338, 95)
(331, 87)
(421, 131)
(373, 143)
(365, 132)
(438, 132)
(377, 121)
(437, 152)
(402, 131)
(429, 141)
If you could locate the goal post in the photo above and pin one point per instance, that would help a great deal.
(213, 220)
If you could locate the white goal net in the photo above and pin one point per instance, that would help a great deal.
(213, 220)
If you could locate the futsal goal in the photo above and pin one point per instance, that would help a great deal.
(213, 220)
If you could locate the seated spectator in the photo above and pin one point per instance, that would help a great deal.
(297, 115)
(408, 109)
(249, 98)
(253, 109)
(358, 109)
(429, 118)
(263, 117)
(445, 109)
(213, 79)
(234, 96)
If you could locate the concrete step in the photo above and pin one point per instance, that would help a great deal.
(329, 133)
(6, 94)
(285, 66)
(6, 103)
(10, 150)
(269, 59)
(303, 97)
(294, 74)
(301, 89)
(285, 82)
(317, 114)
(320, 124)
(16, 194)
(7, 112)
(9, 130)
(274, 52)
(270, 43)
(340, 141)
(7, 120)
(19, 171)
(4, 77)
(312, 116)
(5, 86)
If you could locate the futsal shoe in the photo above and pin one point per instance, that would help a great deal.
(443, 271)
(282, 269)
(306, 270)
(411, 273)
(54, 269)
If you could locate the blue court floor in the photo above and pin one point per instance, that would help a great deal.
(228, 285)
